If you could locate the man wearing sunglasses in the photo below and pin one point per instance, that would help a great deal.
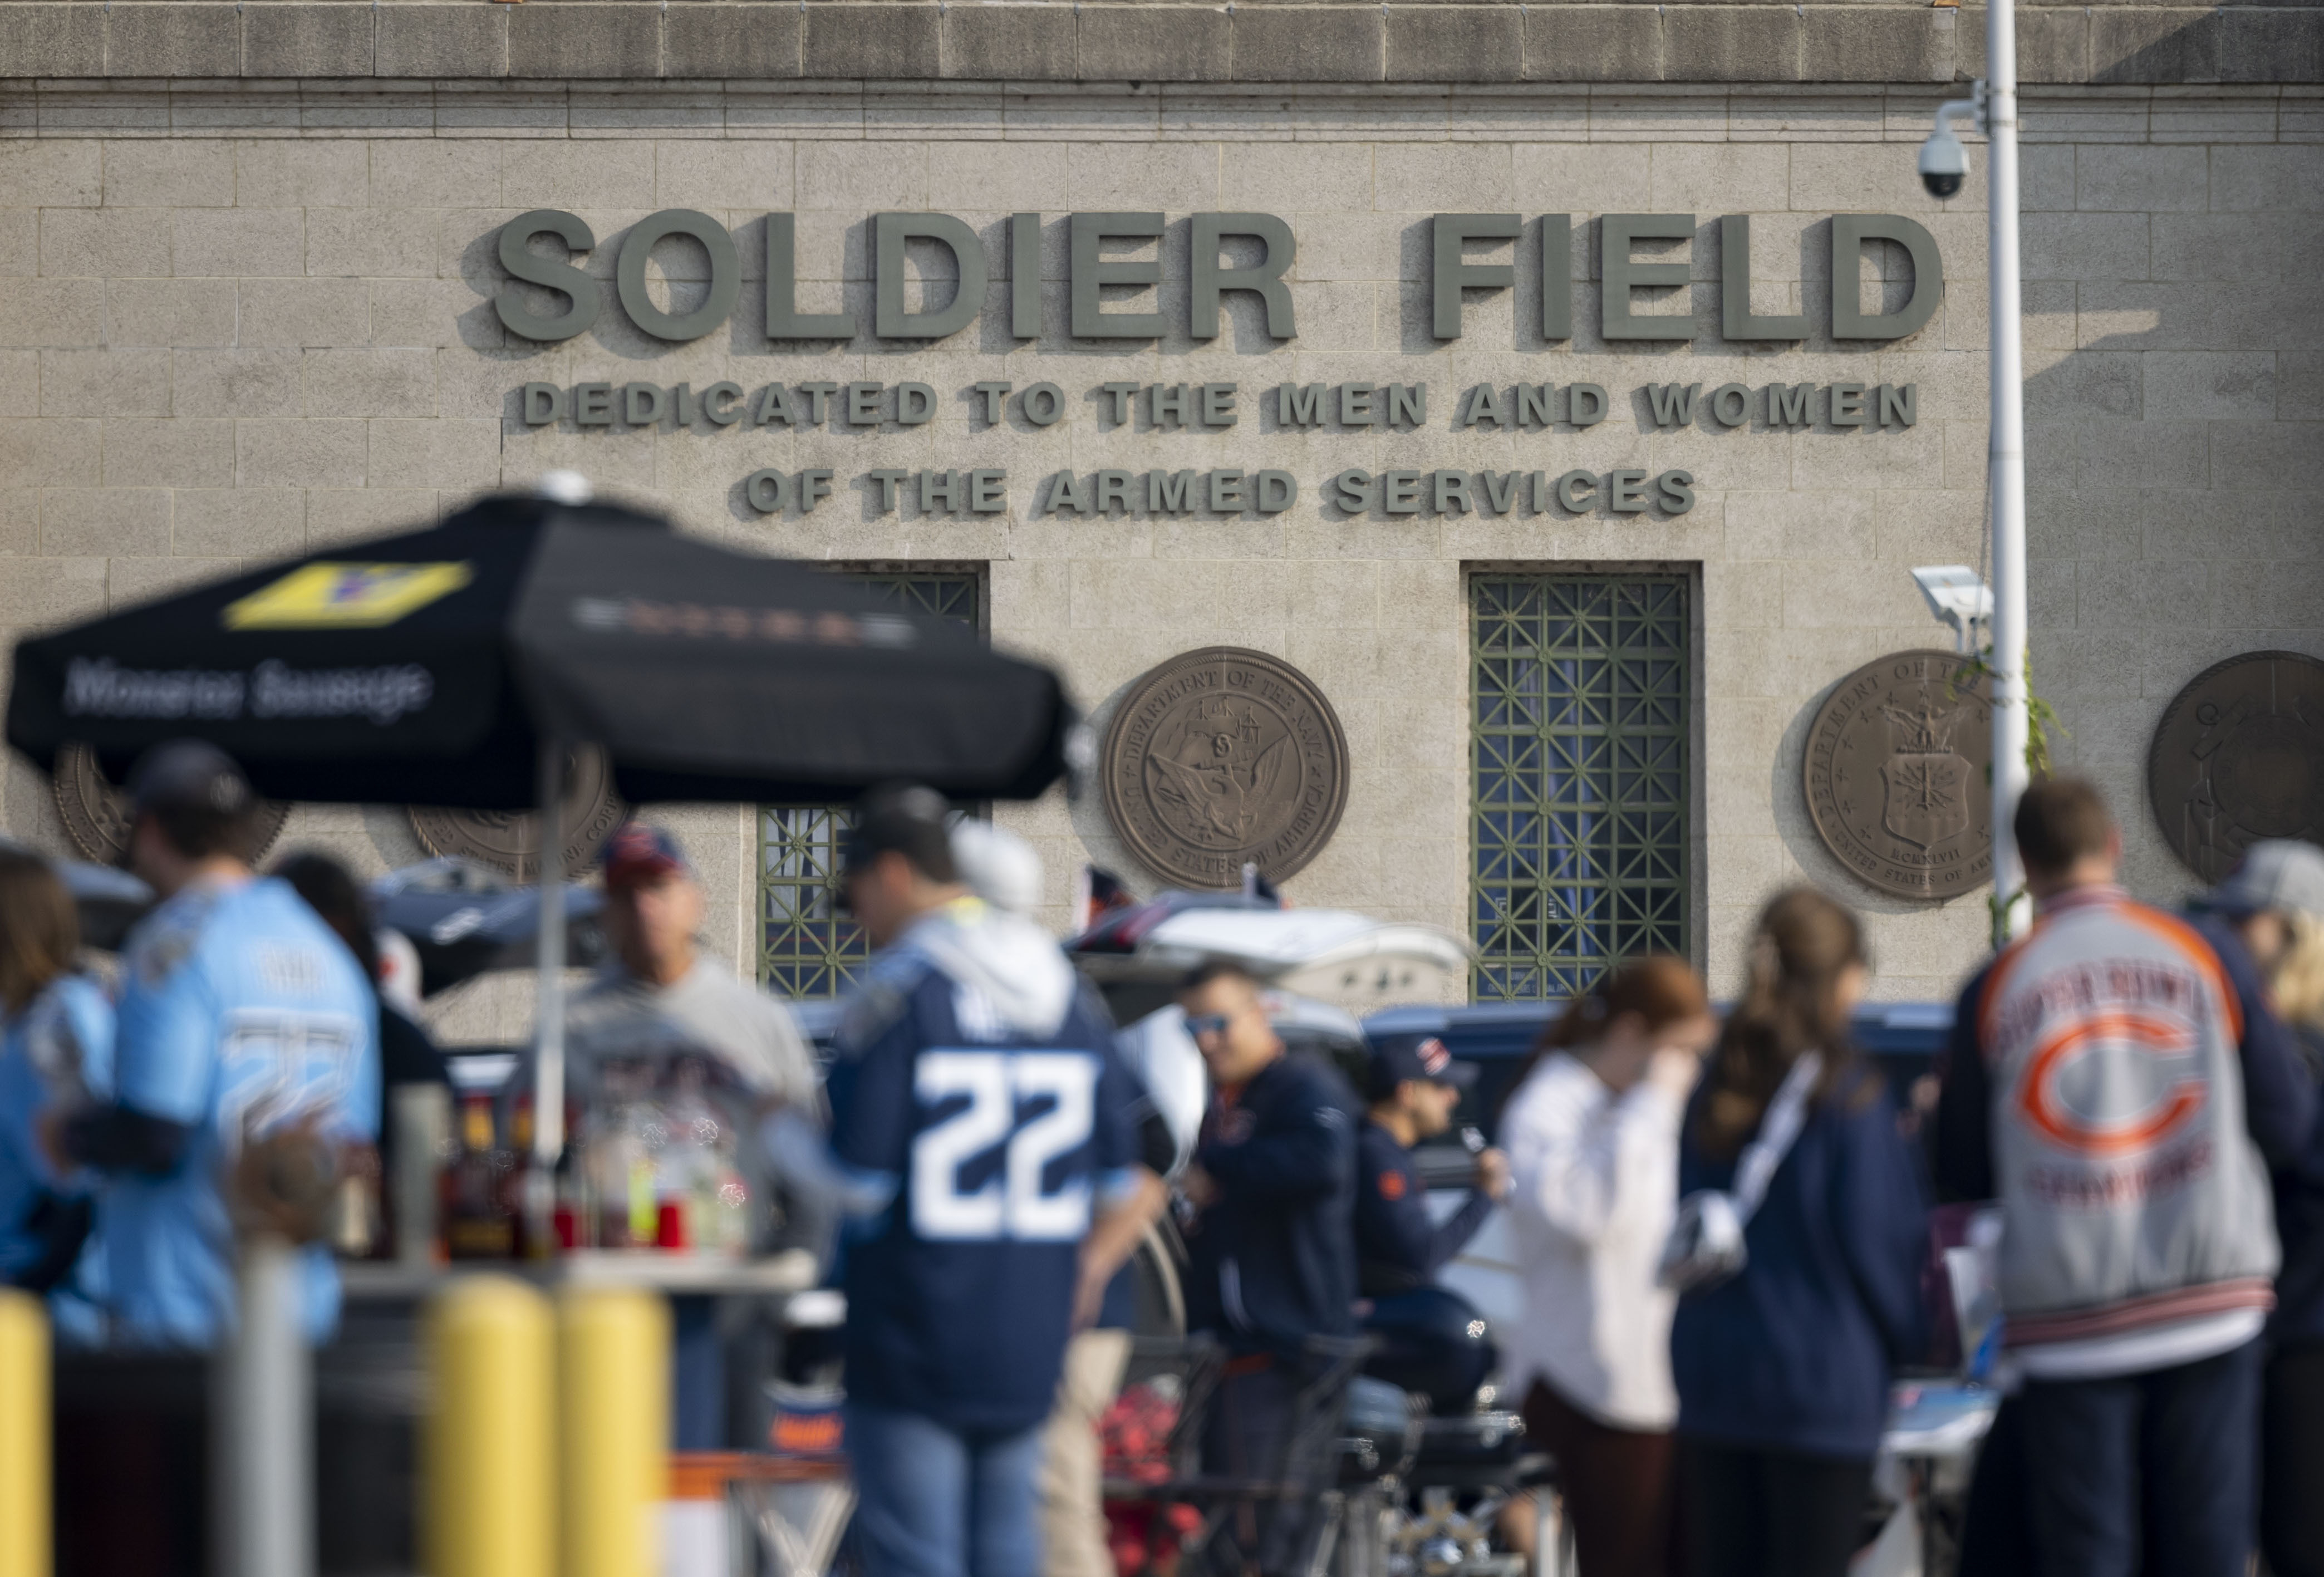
(1273, 1183)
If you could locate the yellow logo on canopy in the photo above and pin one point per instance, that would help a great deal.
(345, 596)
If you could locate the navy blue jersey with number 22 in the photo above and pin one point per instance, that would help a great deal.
(999, 1146)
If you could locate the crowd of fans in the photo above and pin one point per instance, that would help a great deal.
(1722, 1223)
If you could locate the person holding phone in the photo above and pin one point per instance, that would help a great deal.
(1592, 1130)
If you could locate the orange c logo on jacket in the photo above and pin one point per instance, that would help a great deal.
(2154, 1042)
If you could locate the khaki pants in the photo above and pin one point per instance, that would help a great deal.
(1073, 1508)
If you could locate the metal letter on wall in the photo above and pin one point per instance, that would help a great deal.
(725, 274)
(1850, 232)
(1220, 757)
(1897, 775)
(889, 320)
(522, 263)
(2238, 757)
(96, 813)
(509, 841)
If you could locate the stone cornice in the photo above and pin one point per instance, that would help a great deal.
(1061, 41)
(1163, 112)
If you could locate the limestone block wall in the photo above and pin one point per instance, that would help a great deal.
(244, 321)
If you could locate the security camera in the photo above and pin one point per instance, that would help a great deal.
(1944, 163)
(1956, 595)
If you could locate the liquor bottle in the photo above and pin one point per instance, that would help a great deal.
(624, 1138)
(477, 1224)
(699, 1170)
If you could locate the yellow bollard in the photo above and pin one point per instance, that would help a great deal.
(613, 1391)
(24, 1435)
(487, 1463)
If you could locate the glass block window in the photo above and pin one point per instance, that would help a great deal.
(1579, 776)
(807, 947)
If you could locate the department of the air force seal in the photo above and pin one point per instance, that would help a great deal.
(1222, 757)
(509, 841)
(96, 813)
(1897, 775)
(2238, 757)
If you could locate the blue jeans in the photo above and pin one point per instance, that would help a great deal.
(2173, 1450)
(934, 1501)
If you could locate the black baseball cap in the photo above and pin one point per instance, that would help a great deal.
(1398, 1057)
(909, 819)
(189, 774)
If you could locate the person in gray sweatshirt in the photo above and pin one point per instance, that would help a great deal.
(2118, 1081)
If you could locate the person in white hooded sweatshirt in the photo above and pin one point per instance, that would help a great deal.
(985, 1136)
(1592, 1133)
(1002, 869)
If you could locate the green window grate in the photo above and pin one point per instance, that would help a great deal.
(807, 947)
(1579, 772)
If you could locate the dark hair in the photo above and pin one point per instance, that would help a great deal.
(1791, 1004)
(199, 832)
(196, 798)
(1212, 968)
(906, 820)
(2059, 821)
(331, 890)
(1660, 989)
(40, 929)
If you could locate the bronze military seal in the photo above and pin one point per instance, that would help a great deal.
(96, 811)
(509, 841)
(1222, 757)
(1898, 776)
(2238, 757)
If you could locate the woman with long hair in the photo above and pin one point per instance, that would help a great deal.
(1784, 1367)
(1591, 1132)
(2274, 900)
(56, 1051)
(406, 1053)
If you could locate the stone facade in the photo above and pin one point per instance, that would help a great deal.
(1883, 41)
(246, 321)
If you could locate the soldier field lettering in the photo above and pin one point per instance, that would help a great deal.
(550, 298)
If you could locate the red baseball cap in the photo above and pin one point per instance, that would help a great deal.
(638, 855)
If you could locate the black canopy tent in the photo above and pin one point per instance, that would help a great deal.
(429, 669)
(460, 665)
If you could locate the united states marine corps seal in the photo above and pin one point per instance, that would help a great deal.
(1897, 775)
(1224, 757)
(96, 811)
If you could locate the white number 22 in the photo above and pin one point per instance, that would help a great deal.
(1013, 1204)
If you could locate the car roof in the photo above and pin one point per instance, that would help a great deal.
(1504, 1029)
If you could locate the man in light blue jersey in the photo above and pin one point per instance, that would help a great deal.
(243, 1020)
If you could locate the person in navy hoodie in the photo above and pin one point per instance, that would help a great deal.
(1783, 1369)
(2273, 902)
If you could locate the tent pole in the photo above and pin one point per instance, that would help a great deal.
(548, 1031)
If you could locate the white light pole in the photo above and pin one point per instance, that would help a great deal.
(1943, 163)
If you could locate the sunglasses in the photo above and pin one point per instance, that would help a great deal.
(1201, 1024)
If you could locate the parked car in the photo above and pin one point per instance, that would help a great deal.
(1319, 968)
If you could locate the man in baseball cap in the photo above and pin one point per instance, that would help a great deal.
(659, 994)
(246, 1028)
(1413, 1086)
(659, 1002)
(2275, 876)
